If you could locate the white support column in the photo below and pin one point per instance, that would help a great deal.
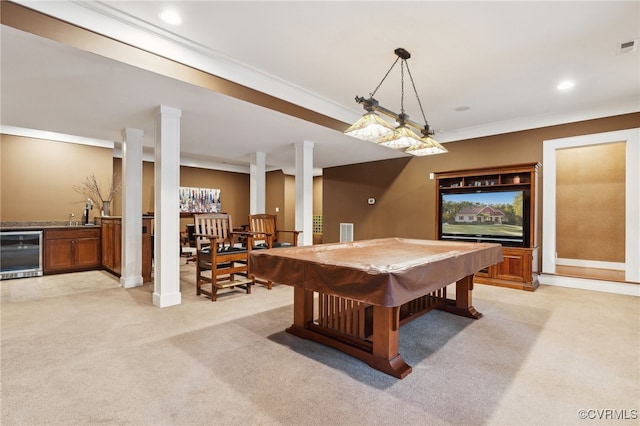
(304, 191)
(131, 272)
(257, 183)
(632, 223)
(167, 211)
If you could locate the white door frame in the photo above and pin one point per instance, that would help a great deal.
(632, 209)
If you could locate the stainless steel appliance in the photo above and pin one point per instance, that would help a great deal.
(20, 254)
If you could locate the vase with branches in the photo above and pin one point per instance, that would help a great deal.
(90, 188)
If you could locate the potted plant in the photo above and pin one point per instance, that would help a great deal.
(90, 189)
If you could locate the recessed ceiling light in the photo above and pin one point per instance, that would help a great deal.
(462, 108)
(565, 85)
(171, 17)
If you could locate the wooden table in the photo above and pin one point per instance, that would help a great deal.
(354, 296)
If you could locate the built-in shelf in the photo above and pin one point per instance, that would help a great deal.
(517, 268)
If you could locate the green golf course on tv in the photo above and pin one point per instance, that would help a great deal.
(490, 215)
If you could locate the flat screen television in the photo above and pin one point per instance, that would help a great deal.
(486, 215)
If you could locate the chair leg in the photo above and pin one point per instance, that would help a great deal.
(214, 292)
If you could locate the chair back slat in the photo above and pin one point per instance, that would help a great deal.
(263, 223)
(216, 224)
(266, 225)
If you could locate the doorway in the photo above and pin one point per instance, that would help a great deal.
(591, 214)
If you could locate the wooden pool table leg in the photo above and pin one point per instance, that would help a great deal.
(383, 354)
(463, 304)
(302, 307)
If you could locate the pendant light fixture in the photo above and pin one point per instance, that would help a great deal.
(371, 127)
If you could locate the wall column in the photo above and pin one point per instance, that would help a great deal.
(304, 191)
(167, 210)
(131, 272)
(257, 186)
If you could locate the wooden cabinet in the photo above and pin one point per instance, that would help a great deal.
(111, 239)
(71, 249)
(519, 253)
(515, 271)
(112, 246)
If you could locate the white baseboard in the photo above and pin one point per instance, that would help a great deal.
(628, 289)
(165, 300)
(614, 266)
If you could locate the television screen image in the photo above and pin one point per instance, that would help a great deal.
(483, 216)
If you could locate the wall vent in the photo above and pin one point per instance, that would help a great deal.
(346, 232)
(627, 46)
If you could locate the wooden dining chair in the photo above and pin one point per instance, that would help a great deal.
(264, 228)
(220, 260)
(265, 234)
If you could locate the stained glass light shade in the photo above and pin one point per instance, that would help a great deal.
(370, 127)
(427, 146)
(402, 138)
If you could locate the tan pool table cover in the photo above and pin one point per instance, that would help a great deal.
(384, 272)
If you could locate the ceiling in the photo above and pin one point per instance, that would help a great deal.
(480, 68)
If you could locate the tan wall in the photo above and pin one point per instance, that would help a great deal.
(346, 190)
(280, 197)
(37, 178)
(275, 194)
(289, 203)
(590, 202)
(405, 196)
(281, 193)
(317, 196)
(234, 189)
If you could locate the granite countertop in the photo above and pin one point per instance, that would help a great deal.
(144, 216)
(51, 224)
(48, 224)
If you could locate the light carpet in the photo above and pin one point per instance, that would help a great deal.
(77, 349)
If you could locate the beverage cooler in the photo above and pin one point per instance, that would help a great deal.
(20, 254)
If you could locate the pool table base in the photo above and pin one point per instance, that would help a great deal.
(370, 332)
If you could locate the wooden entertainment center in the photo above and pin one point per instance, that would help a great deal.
(516, 270)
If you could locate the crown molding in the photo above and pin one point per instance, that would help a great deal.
(102, 19)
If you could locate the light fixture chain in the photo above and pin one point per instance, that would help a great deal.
(402, 85)
(384, 78)
(416, 92)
